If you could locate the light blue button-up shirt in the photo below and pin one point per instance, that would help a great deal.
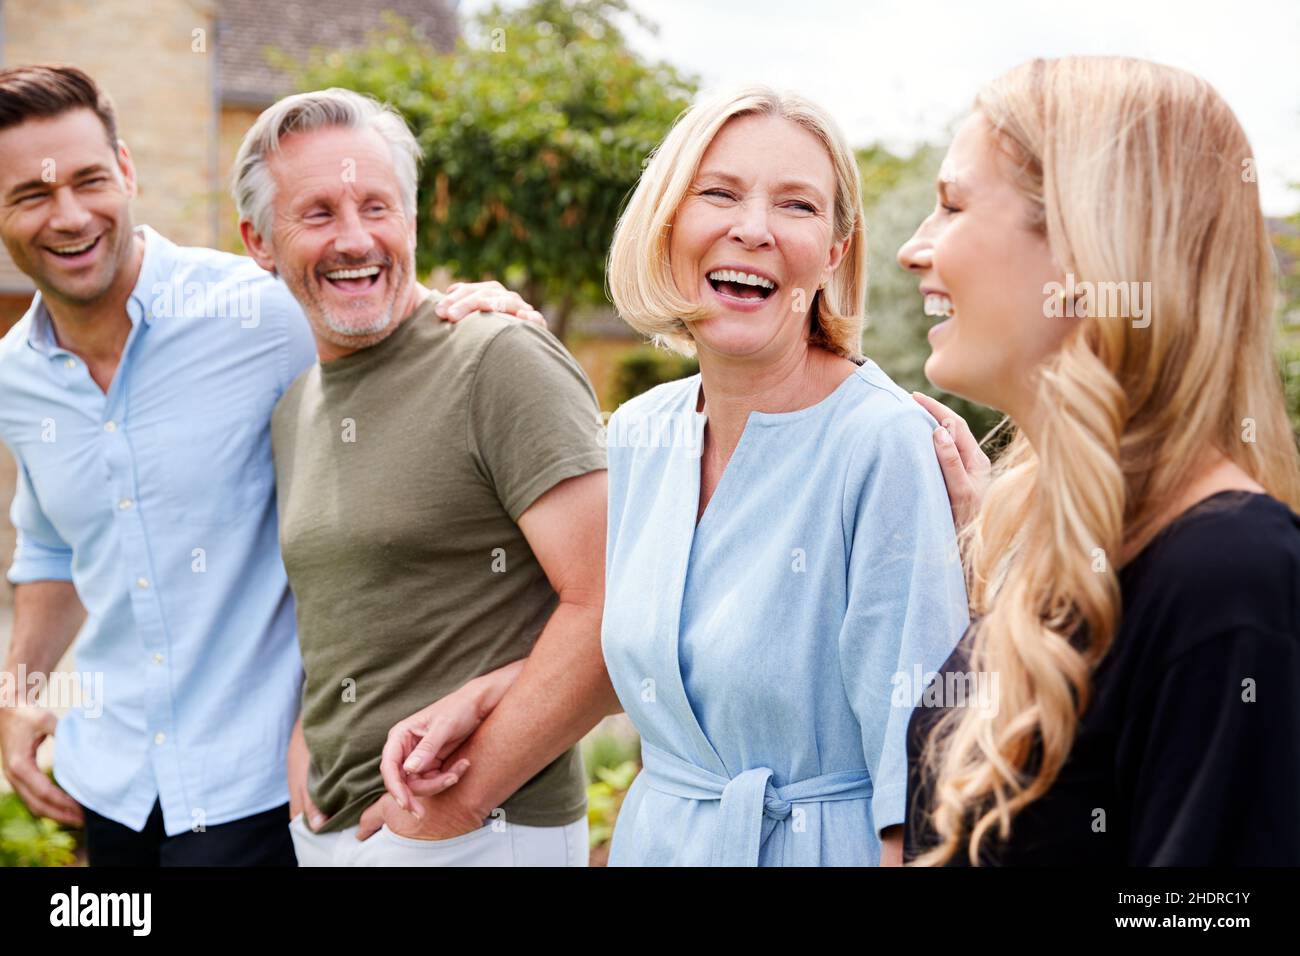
(157, 500)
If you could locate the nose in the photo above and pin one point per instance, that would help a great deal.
(917, 254)
(353, 238)
(750, 228)
(69, 215)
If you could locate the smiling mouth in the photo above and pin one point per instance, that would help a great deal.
(353, 280)
(72, 250)
(939, 305)
(744, 286)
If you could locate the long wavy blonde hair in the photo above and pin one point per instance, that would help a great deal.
(1134, 172)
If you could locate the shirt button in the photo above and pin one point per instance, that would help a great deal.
(124, 504)
(70, 363)
(110, 426)
(159, 739)
(142, 583)
(157, 658)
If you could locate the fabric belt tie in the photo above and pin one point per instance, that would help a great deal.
(750, 807)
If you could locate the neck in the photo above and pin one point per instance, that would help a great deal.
(731, 388)
(97, 331)
(1215, 473)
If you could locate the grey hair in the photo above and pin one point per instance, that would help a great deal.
(254, 189)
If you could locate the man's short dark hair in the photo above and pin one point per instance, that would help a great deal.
(32, 92)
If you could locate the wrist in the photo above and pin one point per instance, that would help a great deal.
(486, 690)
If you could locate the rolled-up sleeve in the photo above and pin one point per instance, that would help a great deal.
(39, 554)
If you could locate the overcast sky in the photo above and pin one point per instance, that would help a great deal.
(901, 72)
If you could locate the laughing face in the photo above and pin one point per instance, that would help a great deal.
(753, 237)
(982, 267)
(341, 238)
(65, 205)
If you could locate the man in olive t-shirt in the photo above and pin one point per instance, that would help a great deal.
(401, 470)
(441, 502)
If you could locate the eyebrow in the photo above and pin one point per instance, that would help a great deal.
(42, 184)
(327, 195)
(784, 186)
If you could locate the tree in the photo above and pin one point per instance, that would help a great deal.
(534, 132)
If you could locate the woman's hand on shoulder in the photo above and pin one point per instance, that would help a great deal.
(966, 469)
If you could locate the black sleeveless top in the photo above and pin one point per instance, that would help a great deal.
(1189, 752)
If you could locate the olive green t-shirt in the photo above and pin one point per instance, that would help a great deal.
(401, 472)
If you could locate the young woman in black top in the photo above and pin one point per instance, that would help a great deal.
(1134, 555)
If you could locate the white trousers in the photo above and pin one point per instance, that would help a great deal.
(497, 843)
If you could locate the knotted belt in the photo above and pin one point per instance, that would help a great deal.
(750, 806)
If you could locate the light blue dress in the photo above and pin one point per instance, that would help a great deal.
(770, 657)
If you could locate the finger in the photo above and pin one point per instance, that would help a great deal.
(29, 778)
(431, 784)
(451, 295)
(504, 302)
(955, 478)
(967, 445)
(40, 805)
(932, 405)
(311, 813)
(371, 820)
(533, 317)
(428, 751)
(390, 765)
(465, 291)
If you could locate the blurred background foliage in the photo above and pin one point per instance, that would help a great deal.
(534, 130)
(26, 840)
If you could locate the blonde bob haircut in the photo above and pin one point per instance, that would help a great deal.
(640, 275)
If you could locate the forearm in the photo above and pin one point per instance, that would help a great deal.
(561, 692)
(488, 689)
(891, 846)
(47, 616)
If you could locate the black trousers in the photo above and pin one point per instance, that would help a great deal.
(260, 840)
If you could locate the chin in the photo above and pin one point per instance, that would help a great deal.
(733, 337)
(941, 375)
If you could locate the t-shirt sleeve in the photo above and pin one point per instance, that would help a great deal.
(906, 595)
(1219, 777)
(533, 417)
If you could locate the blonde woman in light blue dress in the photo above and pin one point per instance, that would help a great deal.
(782, 568)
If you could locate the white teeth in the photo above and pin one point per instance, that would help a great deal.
(744, 278)
(936, 304)
(353, 273)
(73, 250)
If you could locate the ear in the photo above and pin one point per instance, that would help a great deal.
(126, 166)
(838, 248)
(258, 248)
